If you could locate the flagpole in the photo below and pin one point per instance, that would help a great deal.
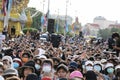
(66, 18)
(48, 13)
(43, 16)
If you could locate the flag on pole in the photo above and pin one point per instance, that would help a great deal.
(66, 27)
(7, 7)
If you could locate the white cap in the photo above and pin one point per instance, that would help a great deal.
(88, 62)
(17, 59)
(116, 67)
(103, 60)
(43, 57)
(109, 65)
(97, 62)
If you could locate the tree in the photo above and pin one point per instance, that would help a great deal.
(36, 20)
(106, 33)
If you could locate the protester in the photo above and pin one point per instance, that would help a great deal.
(62, 71)
(77, 59)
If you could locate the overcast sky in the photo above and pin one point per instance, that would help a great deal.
(86, 10)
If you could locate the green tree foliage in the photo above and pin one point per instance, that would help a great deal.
(106, 33)
(37, 19)
(30, 30)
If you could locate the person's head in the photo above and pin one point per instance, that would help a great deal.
(10, 72)
(38, 63)
(47, 65)
(109, 68)
(25, 57)
(27, 68)
(115, 35)
(97, 66)
(88, 65)
(17, 63)
(7, 61)
(117, 70)
(62, 71)
(73, 66)
(56, 61)
(90, 75)
(76, 75)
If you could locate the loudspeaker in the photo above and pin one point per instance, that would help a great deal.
(50, 27)
(55, 40)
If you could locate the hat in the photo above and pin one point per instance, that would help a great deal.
(97, 62)
(109, 65)
(18, 60)
(73, 64)
(88, 62)
(9, 58)
(46, 78)
(75, 74)
(117, 67)
(13, 78)
(29, 64)
(63, 67)
(42, 57)
(10, 71)
(32, 76)
(1, 78)
(103, 60)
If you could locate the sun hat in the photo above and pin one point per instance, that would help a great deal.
(88, 62)
(109, 65)
(10, 71)
(75, 74)
(103, 60)
(18, 60)
(63, 67)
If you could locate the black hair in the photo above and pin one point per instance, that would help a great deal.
(115, 35)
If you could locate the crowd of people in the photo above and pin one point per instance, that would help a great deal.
(25, 58)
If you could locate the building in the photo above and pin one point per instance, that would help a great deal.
(102, 22)
(91, 29)
(114, 26)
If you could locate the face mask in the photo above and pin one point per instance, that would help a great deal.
(25, 60)
(110, 70)
(46, 68)
(15, 64)
(89, 68)
(37, 66)
(97, 68)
